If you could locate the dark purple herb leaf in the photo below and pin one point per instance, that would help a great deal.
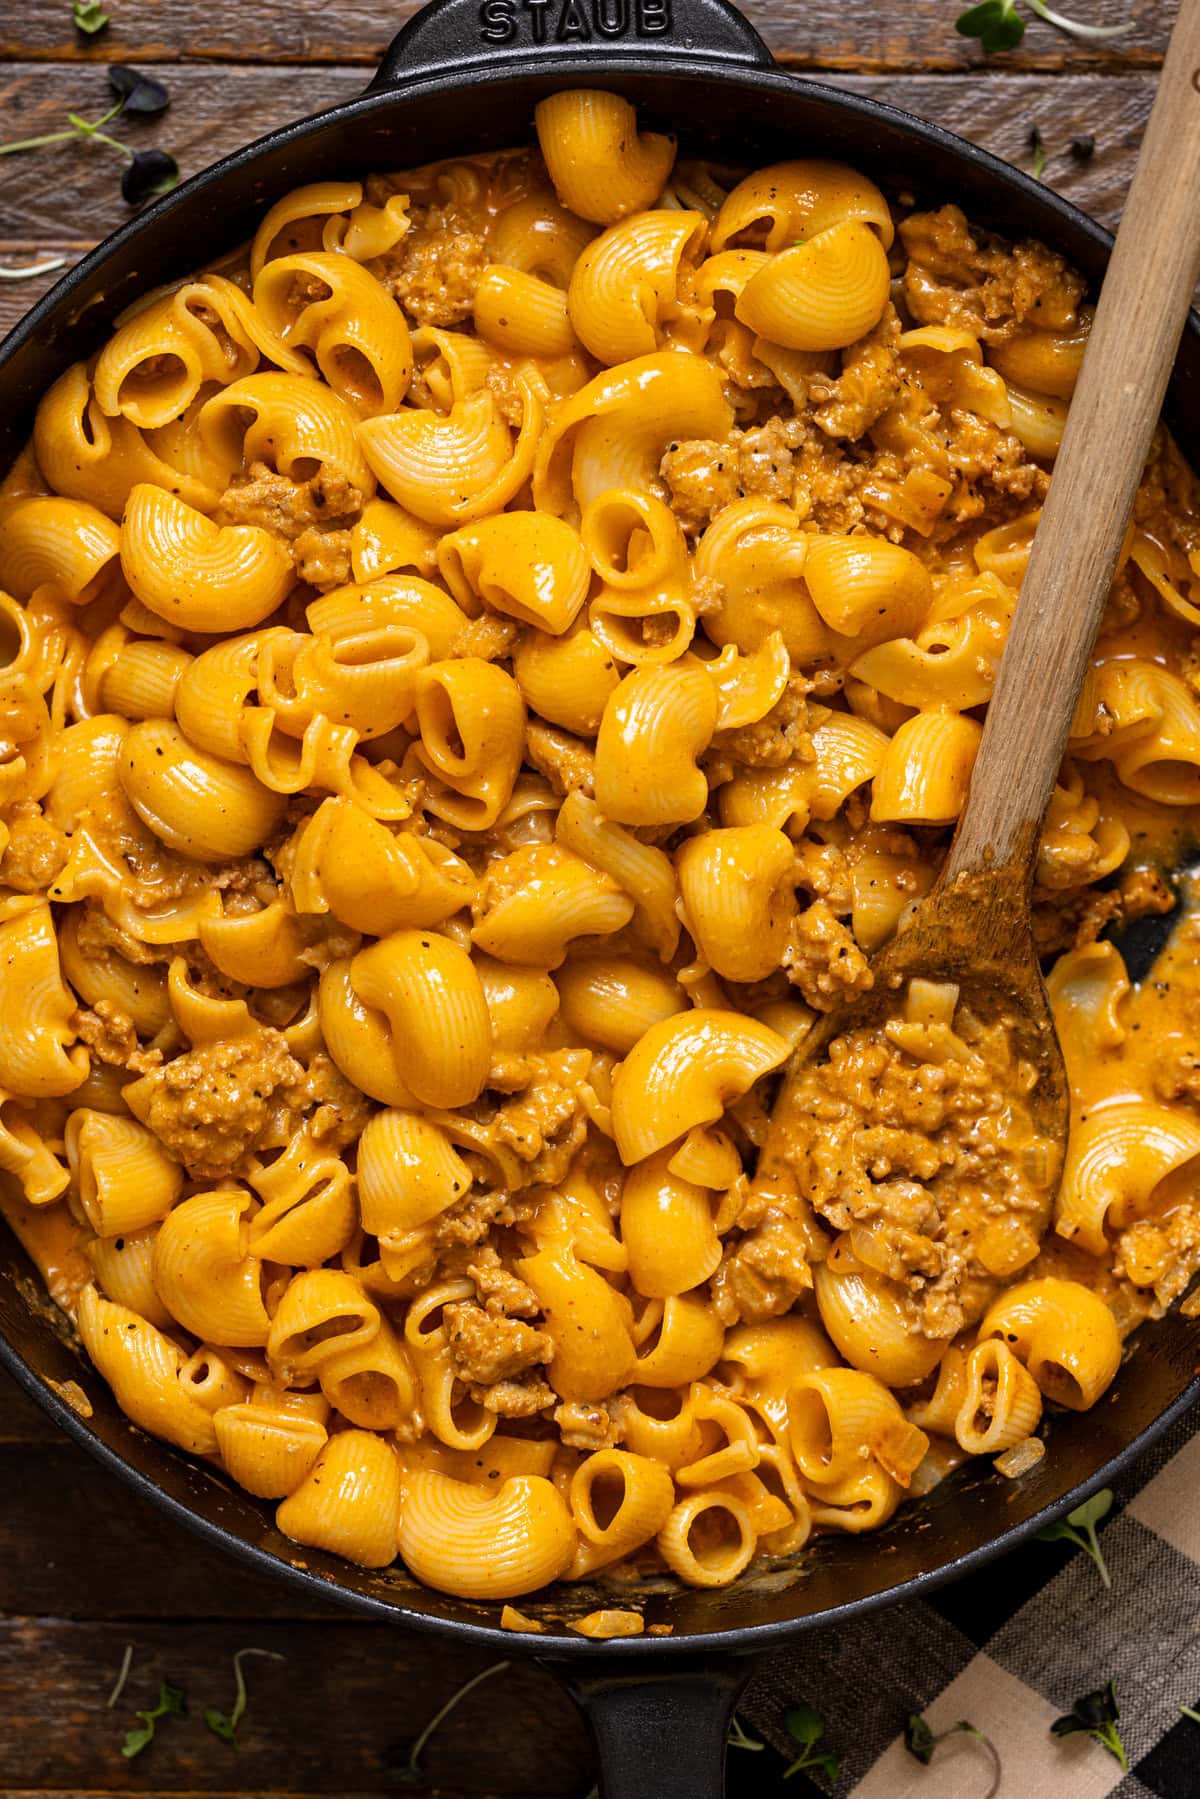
(152, 172)
(140, 93)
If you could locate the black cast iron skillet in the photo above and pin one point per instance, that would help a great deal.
(465, 75)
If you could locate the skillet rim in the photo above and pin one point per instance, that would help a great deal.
(736, 1640)
(56, 306)
(863, 108)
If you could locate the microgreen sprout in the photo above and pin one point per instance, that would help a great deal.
(806, 1727)
(920, 1740)
(148, 172)
(1079, 1527)
(33, 269)
(171, 1704)
(139, 92)
(999, 26)
(996, 23)
(1096, 1715)
(225, 1725)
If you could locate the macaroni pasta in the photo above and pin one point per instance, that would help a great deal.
(481, 674)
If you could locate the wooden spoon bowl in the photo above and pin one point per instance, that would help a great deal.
(974, 931)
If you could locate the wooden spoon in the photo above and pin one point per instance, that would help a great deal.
(974, 928)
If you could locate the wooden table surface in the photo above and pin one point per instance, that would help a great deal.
(85, 1568)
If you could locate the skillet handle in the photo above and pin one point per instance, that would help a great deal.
(453, 35)
(661, 1733)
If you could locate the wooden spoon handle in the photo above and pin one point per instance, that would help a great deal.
(1153, 272)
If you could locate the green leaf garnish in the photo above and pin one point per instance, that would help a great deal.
(806, 1727)
(170, 1704)
(1079, 1527)
(1037, 146)
(89, 16)
(921, 1742)
(996, 23)
(225, 1725)
(1095, 1714)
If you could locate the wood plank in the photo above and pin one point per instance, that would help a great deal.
(337, 1716)
(815, 34)
(76, 1543)
(45, 195)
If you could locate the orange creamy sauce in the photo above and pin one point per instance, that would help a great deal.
(914, 1141)
(909, 1156)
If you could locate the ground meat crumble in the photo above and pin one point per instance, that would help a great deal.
(313, 517)
(213, 1106)
(823, 960)
(486, 1348)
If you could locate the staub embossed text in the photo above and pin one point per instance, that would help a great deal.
(571, 21)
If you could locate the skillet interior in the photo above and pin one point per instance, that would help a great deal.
(735, 113)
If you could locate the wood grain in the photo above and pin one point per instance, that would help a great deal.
(337, 1716)
(86, 1567)
(86, 1548)
(814, 34)
(92, 1548)
(45, 196)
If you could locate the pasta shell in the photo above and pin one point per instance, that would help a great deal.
(202, 807)
(478, 1545)
(268, 1454)
(822, 294)
(349, 1502)
(206, 1276)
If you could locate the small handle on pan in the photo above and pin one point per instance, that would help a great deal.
(662, 1734)
(457, 34)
